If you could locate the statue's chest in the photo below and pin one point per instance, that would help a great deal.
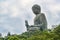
(37, 20)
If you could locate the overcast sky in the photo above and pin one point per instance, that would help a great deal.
(13, 14)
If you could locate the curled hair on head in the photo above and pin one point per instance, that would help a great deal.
(36, 6)
(36, 9)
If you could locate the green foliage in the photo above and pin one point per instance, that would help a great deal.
(57, 30)
(36, 35)
(13, 38)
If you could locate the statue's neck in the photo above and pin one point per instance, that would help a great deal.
(38, 14)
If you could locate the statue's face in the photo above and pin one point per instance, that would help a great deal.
(36, 9)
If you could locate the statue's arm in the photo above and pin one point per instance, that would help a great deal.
(26, 24)
(36, 25)
(44, 21)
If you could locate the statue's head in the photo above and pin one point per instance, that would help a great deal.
(36, 9)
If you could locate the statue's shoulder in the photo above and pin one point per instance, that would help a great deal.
(42, 14)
